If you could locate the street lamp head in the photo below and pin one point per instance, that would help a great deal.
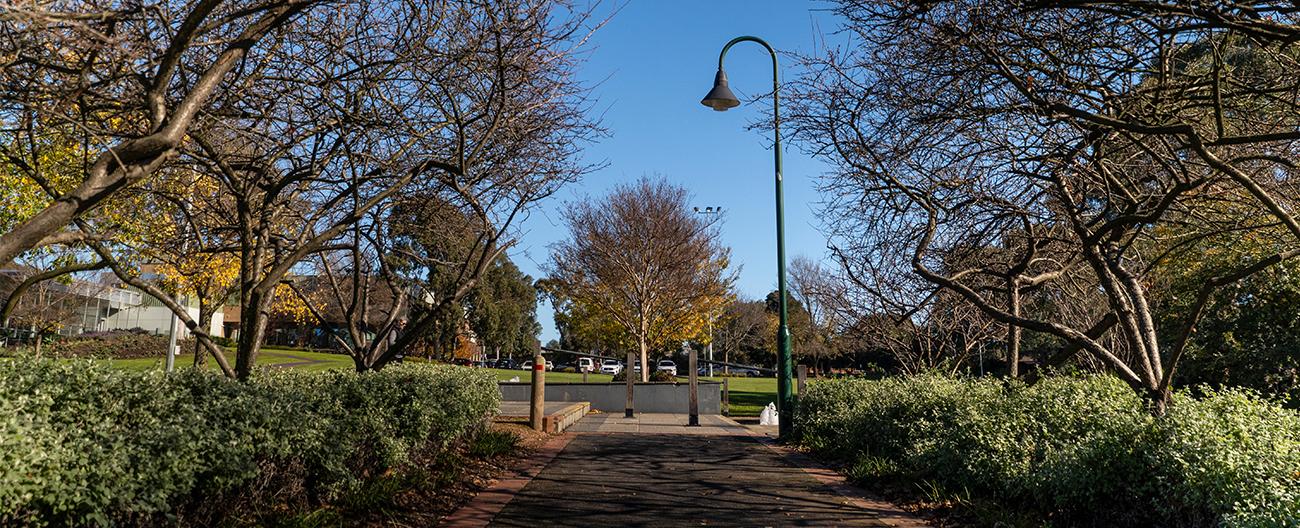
(720, 97)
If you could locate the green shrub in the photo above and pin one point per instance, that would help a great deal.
(657, 376)
(116, 344)
(1078, 450)
(83, 444)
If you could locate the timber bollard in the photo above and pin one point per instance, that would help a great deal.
(726, 396)
(695, 392)
(803, 378)
(537, 409)
(627, 410)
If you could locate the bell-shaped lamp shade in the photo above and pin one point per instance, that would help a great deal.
(720, 97)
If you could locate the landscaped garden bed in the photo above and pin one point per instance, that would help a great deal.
(85, 444)
(1071, 451)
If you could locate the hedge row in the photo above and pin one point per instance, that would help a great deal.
(82, 444)
(1074, 451)
(117, 344)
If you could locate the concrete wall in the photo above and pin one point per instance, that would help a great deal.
(612, 397)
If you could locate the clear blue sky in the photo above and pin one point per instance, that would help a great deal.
(651, 65)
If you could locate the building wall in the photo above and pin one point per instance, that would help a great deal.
(156, 319)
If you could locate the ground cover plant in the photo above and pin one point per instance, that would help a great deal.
(82, 443)
(1071, 451)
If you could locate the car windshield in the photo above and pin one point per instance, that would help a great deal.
(611, 362)
(666, 363)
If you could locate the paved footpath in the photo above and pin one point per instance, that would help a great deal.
(654, 476)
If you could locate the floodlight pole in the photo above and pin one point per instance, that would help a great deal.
(785, 396)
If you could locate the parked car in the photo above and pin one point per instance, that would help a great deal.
(528, 365)
(611, 366)
(587, 364)
(745, 372)
(506, 363)
(667, 365)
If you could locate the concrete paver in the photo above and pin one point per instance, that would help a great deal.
(705, 478)
(658, 423)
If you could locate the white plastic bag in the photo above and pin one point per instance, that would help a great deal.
(769, 416)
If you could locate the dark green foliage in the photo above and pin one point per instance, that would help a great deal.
(491, 444)
(83, 444)
(502, 310)
(1080, 451)
(1246, 337)
(657, 376)
(118, 344)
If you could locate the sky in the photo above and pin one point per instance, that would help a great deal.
(649, 66)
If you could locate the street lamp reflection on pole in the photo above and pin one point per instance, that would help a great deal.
(720, 98)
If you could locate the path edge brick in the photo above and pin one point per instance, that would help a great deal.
(483, 507)
(887, 512)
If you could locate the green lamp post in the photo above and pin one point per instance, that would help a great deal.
(721, 99)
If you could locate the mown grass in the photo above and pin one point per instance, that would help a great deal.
(270, 356)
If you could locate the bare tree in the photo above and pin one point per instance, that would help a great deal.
(813, 286)
(44, 304)
(1052, 146)
(130, 79)
(643, 259)
(741, 327)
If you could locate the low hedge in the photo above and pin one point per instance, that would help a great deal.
(81, 444)
(116, 344)
(657, 376)
(1076, 451)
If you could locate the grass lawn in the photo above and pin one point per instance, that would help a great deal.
(749, 395)
(269, 356)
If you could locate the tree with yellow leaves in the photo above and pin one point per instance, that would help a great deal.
(644, 261)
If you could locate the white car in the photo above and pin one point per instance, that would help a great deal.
(528, 365)
(586, 365)
(667, 365)
(611, 366)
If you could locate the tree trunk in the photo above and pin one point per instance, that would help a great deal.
(1013, 331)
(205, 323)
(253, 319)
(39, 338)
(645, 359)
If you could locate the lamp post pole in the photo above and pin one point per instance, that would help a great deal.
(720, 98)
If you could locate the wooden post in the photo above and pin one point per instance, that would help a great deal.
(695, 391)
(803, 378)
(726, 396)
(584, 375)
(627, 410)
(537, 409)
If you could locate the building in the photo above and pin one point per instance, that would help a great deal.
(80, 306)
